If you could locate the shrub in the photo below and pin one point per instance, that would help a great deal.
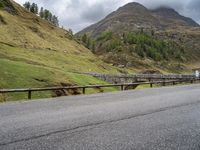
(105, 36)
(1, 5)
(139, 50)
(113, 44)
(130, 39)
(152, 53)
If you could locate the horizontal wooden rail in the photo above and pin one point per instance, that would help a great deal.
(122, 85)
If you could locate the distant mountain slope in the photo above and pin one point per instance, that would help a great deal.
(134, 15)
(35, 53)
(136, 37)
(170, 17)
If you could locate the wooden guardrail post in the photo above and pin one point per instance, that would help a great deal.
(122, 87)
(195, 80)
(29, 94)
(83, 90)
(164, 84)
(151, 85)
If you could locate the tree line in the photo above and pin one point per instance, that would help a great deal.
(140, 43)
(43, 13)
(87, 42)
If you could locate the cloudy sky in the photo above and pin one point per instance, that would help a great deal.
(77, 14)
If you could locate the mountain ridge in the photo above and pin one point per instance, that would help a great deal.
(170, 13)
(136, 37)
(137, 16)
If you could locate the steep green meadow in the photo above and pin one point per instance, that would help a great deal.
(35, 53)
(16, 74)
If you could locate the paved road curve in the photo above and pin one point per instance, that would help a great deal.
(166, 118)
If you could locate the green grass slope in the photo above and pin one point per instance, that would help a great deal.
(35, 53)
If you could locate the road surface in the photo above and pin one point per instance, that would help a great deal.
(152, 119)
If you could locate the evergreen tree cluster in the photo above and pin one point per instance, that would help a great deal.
(87, 42)
(43, 13)
(144, 45)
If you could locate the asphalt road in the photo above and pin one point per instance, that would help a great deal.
(161, 119)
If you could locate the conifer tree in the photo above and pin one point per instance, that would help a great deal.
(27, 5)
(46, 14)
(55, 20)
(41, 12)
(88, 43)
(84, 38)
(71, 32)
(50, 17)
(36, 9)
(32, 8)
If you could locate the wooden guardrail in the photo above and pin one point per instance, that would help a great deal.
(122, 86)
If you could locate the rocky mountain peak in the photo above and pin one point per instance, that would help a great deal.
(133, 5)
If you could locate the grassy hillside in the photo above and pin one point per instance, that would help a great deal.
(35, 53)
(142, 51)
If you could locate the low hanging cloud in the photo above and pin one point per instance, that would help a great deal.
(78, 14)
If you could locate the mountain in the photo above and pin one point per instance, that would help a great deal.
(35, 53)
(169, 17)
(134, 15)
(138, 38)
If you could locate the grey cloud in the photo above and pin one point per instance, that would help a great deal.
(194, 5)
(191, 9)
(97, 12)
